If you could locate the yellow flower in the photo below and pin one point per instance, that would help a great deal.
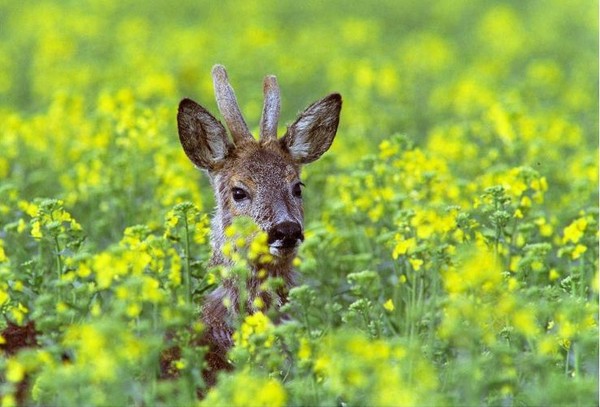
(574, 231)
(548, 345)
(272, 394)
(84, 270)
(389, 305)
(122, 292)
(376, 212)
(525, 323)
(259, 248)
(416, 263)
(258, 303)
(8, 400)
(61, 307)
(3, 257)
(61, 215)
(240, 242)
(255, 325)
(75, 225)
(171, 218)
(18, 313)
(525, 202)
(403, 246)
(304, 352)
(546, 228)
(366, 371)
(578, 251)
(95, 309)
(36, 231)
(540, 184)
(230, 231)
(151, 290)
(133, 310)
(514, 263)
(21, 226)
(29, 208)
(15, 371)
(245, 389)
(322, 365)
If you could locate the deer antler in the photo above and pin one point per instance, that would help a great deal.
(229, 107)
(270, 114)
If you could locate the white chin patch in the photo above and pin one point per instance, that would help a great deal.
(282, 252)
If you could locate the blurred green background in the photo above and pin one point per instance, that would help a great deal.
(456, 213)
(397, 63)
(503, 83)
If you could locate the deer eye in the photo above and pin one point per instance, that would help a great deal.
(239, 194)
(297, 190)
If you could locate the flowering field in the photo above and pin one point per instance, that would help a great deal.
(451, 252)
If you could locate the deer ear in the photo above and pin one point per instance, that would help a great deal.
(313, 131)
(202, 137)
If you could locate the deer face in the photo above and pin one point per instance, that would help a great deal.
(262, 182)
(257, 178)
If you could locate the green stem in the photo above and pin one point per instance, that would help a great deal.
(315, 390)
(576, 359)
(186, 275)
(573, 282)
(305, 317)
(154, 317)
(497, 244)
(582, 280)
(512, 244)
(421, 293)
(58, 266)
(407, 318)
(432, 302)
(413, 305)
(365, 316)
(419, 302)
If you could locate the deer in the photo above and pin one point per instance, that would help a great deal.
(255, 178)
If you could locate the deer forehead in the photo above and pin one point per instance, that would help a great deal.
(262, 168)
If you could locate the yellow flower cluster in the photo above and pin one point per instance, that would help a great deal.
(373, 372)
(246, 241)
(246, 389)
(255, 331)
(483, 303)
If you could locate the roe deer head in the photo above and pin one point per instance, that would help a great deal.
(255, 178)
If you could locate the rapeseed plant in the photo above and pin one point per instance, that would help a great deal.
(455, 263)
(245, 388)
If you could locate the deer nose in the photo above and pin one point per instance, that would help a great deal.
(286, 234)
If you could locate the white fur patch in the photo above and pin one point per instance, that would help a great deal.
(300, 148)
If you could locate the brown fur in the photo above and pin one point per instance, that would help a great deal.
(267, 172)
(16, 338)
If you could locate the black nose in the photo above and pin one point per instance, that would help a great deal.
(286, 234)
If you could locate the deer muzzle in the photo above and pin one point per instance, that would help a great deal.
(285, 237)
